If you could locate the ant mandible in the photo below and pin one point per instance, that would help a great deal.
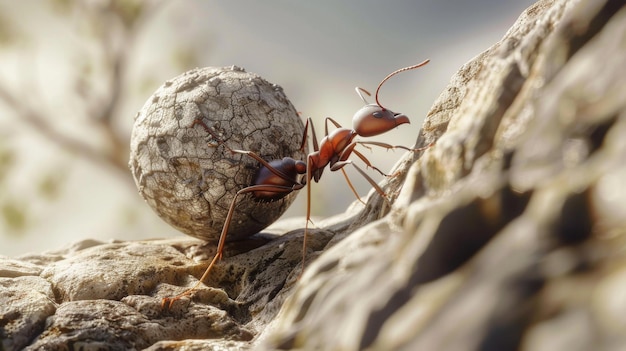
(277, 178)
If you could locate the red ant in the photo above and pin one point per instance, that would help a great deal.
(275, 179)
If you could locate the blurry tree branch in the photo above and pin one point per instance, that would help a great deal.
(115, 26)
(40, 124)
(98, 43)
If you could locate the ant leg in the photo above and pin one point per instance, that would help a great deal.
(368, 164)
(207, 129)
(386, 146)
(252, 154)
(169, 302)
(345, 154)
(309, 176)
(328, 119)
(305, 134)
(309, 122)
(389, 146)
(222, 241)
(341, 164)
(351, 186)
(343, 160)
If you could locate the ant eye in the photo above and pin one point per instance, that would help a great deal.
(377, 114)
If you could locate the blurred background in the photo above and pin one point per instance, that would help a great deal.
(73, 74)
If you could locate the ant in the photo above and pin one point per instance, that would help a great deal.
(277, 178)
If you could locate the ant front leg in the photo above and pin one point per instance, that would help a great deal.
(207, 129)
(389, 146)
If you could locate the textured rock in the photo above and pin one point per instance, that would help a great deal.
(186, 175)
(507, 234)
(26, 303)
(498, 240)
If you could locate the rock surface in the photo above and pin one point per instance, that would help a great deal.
(507, 234)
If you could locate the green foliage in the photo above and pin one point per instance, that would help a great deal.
(185, 57)
(129, 11)
(63, 7)
(7, 32)
(7, 160)
(14, 215)
(50, 185)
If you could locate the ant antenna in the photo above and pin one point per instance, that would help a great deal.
(391, 75)
(359, 90)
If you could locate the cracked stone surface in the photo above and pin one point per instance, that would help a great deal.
(184, 173)
(509, 233)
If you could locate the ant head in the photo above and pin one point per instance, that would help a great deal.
(374, 119)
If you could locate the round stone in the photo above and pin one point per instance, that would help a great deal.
(188, 174)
